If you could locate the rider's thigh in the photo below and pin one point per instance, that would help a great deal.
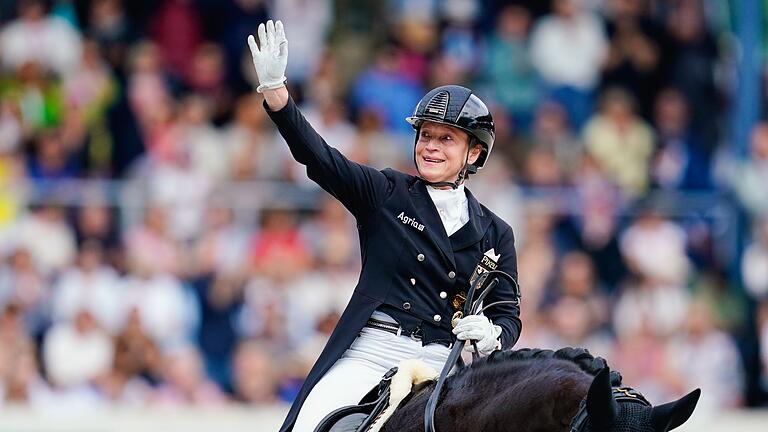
(344, 384)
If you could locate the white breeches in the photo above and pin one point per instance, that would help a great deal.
(359, 369)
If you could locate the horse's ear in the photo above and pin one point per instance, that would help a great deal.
(671, 415)
(601, 406)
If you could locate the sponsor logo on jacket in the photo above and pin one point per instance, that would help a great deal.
(407, 220)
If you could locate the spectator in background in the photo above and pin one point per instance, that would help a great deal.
(184, 381)
(48, 238)
(682, 160)
(19, 380)
(256, 375)
(577, 308)
(459, 44)
(552, 132)
(703, 355)
(650, 308)
(542, 169)
(220, 298)
(137, 356)
(644, 358)
(22, 383)
(222, 246)
(331, 237)
(754, 272)
(386, 90)
(568, 49)
(634, 56)
(149, 246)
(620, 142)
(91, 286)
(654, 247)
(113, 30)
(168, 312)
(176, 28)
(95, 221)
(200, 141)
(250, 151)
(692, 62)
(148, 86)
(11, 133)
(89, 94)
(372, 143)
(751, 175)
(23, 287)
(207, 77)
(594, 229)
(313, 17)
(35, 36)
(36, 96)
(508, 69)
(278, 246)
(77, 352)
(52, 157)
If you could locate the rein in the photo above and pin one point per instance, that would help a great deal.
(470, 308)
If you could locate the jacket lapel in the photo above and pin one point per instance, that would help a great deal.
(428, 213)
(474, 230)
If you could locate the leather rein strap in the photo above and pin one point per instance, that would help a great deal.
(470, 308)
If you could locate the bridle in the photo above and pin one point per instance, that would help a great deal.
(487, 281)
(580, 421)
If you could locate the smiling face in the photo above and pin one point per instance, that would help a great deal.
(441, 151)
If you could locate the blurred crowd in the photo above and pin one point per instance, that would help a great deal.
(190, 296)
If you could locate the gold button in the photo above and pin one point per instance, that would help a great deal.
(451, 274)
(413, 281)
(437, 318)
(420, 257)
(406, 305)
(443, 294)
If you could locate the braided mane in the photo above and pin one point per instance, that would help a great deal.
(579, 356)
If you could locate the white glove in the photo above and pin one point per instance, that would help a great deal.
(478, 328)
(270, 61)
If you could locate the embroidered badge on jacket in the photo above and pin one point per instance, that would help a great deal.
(407, 220)
(488, 262)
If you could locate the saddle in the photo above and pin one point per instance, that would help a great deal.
(360, 417)
(395, 388)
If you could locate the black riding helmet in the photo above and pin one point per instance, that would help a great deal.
(457, 106)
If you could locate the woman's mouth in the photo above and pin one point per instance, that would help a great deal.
(431, 160)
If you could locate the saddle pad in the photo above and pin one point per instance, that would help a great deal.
(409, 373)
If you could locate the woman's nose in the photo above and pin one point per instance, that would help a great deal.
(432, 144)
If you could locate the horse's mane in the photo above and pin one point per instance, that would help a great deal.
(581, 357)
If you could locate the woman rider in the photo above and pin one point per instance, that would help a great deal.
(421, 239)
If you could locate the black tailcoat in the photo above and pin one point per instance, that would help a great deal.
(410, 267)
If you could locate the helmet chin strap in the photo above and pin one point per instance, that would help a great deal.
(465, 171)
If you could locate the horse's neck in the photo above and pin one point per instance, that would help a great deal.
(526, 397)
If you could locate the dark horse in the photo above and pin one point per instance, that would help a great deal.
(539, 390)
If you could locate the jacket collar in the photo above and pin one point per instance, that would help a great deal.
(470, 233)
(474, 230)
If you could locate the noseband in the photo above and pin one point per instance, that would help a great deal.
(580, 421)
(470, 308)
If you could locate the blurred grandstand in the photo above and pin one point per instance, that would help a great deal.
(160, 247)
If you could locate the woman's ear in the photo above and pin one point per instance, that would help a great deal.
(474, 153)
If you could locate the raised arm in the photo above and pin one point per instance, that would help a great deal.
(359, 188)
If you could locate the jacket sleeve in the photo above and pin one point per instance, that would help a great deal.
(358, 187)
(507, 315)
